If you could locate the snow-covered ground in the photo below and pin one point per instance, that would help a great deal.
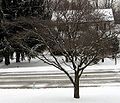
(61, 95)
(38, 65)
(103, 94)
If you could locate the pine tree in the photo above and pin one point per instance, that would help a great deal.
(16, 8)
(12, 11)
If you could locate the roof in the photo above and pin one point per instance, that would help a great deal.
(106, 14)
(101, 14)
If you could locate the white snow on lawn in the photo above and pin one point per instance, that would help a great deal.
(38, 65)
(61, 95)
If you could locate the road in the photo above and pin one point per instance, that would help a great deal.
(48, 79)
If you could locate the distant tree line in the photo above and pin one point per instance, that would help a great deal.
(14, 26)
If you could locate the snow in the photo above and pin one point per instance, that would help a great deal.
(107, 93)
(103, 14)
(38, 65)
(60, 95)
(106, 14)
(108, 64)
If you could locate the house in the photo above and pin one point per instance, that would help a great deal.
(100, 18)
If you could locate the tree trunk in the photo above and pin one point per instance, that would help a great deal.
(1, 58)
(11, 55)
(17, 56)
(76, 87)
(66, 59)
(103, 60)
(7, 59)
(22, 56)
(115, 60)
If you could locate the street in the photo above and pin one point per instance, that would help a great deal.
(57, 79)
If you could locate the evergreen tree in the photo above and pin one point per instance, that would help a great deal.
(12, 11)
(17, 8)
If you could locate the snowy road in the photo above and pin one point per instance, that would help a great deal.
(48, 79)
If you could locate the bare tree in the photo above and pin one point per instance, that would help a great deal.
(74, 34)
(109, 3)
